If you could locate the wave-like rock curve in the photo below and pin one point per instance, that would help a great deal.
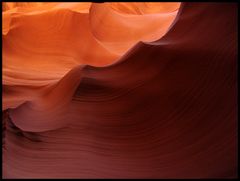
(164, 108)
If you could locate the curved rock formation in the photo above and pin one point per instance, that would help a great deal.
(112, 98)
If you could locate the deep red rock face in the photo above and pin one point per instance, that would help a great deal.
(119, 90)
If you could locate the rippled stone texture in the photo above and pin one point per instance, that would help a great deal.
(119, 90)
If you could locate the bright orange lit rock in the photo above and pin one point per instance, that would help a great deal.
(119, 90)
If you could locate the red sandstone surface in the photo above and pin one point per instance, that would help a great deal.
(119, 90)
